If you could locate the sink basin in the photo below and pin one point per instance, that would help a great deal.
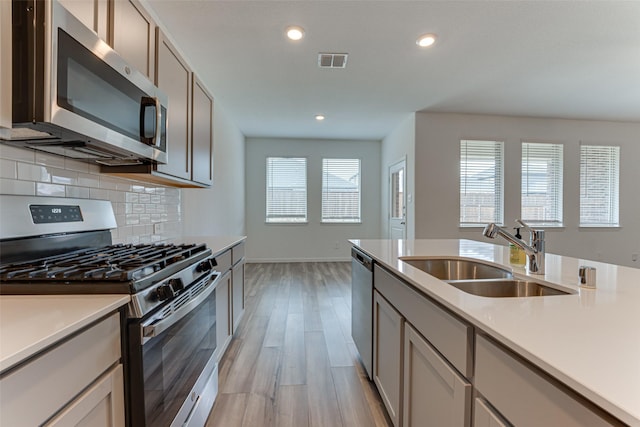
(457, 269)
(506, 288)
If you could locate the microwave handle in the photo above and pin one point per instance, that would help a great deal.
(145, 103)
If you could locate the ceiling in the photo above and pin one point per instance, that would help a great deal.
(564, 59)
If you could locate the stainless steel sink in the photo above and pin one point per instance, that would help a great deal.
(457, 269)
(506, 288)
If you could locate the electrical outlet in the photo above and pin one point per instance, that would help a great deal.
(634, 257)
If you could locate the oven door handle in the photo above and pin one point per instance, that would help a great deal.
(152, 327)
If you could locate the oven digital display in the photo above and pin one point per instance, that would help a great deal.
(48, 214)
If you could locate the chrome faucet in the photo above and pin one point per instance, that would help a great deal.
(534, 250)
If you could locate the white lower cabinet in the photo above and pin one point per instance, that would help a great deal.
(76, 382)
(526, 396)
(434, 393)
(387, 355)
(484, 416)
(102, 405)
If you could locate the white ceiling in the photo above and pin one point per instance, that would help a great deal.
(566, 59)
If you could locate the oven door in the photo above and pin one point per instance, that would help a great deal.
(171, 358)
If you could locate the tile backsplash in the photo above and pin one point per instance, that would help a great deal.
(146, 213)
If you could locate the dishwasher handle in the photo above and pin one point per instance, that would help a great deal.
(363, 259)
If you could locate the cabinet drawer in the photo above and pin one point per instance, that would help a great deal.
(46, 384)
(525, 396)
(449, 335)
(224, 261)
(237, 253)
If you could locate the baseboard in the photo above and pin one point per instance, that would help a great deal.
(283, 260)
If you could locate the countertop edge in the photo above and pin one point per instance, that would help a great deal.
(112, 303)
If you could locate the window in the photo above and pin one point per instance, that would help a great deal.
(542, 184)
(481, 189)
(286, 189)
(341, 190)
(599, 185)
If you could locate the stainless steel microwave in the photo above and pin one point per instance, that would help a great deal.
(74, 96)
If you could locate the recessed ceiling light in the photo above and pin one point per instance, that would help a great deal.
(426, 40)
(320, 117)
(295, 33)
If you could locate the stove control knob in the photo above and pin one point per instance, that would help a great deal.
(164, 292)
(206, 265)
(176, 285)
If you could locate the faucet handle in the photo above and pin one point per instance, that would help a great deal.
(523, 224)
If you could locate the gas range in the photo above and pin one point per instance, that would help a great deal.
(54, 245)
(152, 274)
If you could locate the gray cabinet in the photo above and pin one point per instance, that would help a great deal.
(77, 381)
(94, 14)
(223, 314)
(5, 68)
(201, 133)
(527, 397)
(434, 393)
(133, 35)
(229, 295)
(237, 258)
(485, 416)
(173, 77)
(428, 353)
(387, 355)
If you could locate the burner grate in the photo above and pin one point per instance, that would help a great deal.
(111, 263)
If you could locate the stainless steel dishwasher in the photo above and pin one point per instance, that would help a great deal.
(362, 306)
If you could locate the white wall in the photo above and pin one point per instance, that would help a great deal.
(437, 190)
(399, 145)
(220, 209)
(312, 241)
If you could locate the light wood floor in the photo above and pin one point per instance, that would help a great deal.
(292, 361)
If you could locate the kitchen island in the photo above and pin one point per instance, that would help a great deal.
(586, 341)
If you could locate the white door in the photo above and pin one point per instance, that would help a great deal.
(398, 198)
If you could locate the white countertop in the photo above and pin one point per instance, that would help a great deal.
(218, 244)
(589, 340)
(31, 323)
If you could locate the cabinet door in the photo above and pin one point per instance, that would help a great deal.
(238, 293)
(223, 314)
(94, 14)
(202, 134)
(387, 355)
(484, 416)
(134, 35)
(173, 77)
(101, 405)
(434, 393)
(5, 68)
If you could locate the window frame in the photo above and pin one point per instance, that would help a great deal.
(553, 159)
(323, 219)
(614, 213)
(498, 178)
(283, 220)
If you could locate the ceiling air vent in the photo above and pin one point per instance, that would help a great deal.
(332, 60)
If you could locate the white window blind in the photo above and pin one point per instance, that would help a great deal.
(599, 186)
(286, 189)
(341, 190)
(541, 202)
(481, 182)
